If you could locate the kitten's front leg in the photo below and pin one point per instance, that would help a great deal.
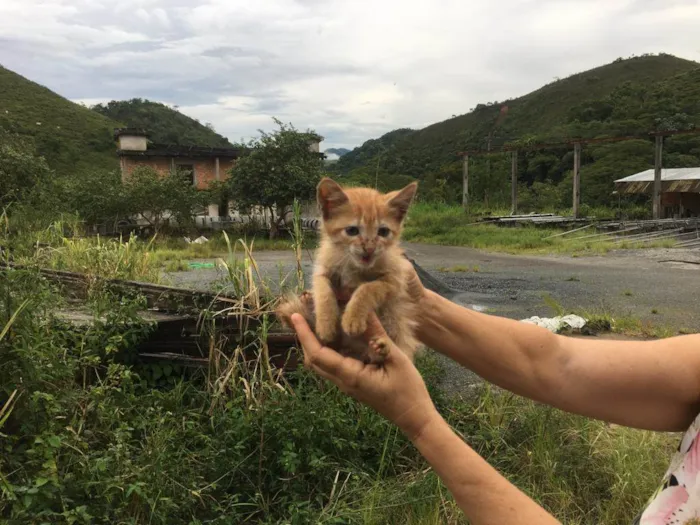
(366, 298)
(327, 310)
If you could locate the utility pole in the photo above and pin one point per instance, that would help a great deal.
(465, 182)
(577, 178)
(658, 164)
(514, 182)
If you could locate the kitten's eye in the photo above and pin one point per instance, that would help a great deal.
(352, 230)
(383, 231)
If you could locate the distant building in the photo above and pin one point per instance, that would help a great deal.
(680, 190)
(205, 164)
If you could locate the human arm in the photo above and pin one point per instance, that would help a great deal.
(397, 391)
(645, 384)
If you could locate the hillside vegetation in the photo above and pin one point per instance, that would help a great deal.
(165, 125)
(624, 97)
(71, 137)
(75, 139)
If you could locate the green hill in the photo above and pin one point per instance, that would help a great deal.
(626, 96)
(165, 125)
(71, 137)
(75, 139)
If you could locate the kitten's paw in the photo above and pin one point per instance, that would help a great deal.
(326, 330)
(354, 322)
(378, 349)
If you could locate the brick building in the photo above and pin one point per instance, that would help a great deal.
(205, 164)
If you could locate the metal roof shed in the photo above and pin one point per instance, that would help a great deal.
(673, 180)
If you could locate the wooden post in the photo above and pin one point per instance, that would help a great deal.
(514, 182)
(217, 168)
(658, 163)
(465, 182)
(577, 178)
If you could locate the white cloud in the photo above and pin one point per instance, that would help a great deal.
(351, 69)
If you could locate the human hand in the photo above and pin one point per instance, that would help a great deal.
(395, 389)
(415, 287)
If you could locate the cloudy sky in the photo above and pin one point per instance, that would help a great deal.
(350, 69)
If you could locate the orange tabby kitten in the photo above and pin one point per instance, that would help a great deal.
(359, 253)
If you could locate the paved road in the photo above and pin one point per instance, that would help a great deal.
(659, 286)
(627, 283)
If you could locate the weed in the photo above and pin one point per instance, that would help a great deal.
(627, 293)
(553, 305)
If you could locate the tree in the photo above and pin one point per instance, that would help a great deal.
(96, 196)
(279, 168)
(156, 198)
(20, 169)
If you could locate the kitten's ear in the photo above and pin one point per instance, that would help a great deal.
(399, 201)
(329, 196)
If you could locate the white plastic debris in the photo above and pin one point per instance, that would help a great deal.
(200, 240)
(557, 324)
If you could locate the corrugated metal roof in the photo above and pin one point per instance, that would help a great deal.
(667, 175)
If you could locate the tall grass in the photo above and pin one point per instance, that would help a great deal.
(107, 258)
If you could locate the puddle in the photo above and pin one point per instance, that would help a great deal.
(478, 307)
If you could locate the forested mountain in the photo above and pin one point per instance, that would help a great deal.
(164, 124)
(624, 97)
(337, 151)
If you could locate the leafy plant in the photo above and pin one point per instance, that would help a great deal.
(286, 163)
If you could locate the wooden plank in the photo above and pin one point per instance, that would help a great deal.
(568, 232)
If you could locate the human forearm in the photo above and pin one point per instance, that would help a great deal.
(516, 356)
(483, 494)
(653, 385)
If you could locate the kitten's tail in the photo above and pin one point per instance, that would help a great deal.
(296, 304)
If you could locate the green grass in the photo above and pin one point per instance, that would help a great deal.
(605, 320)
(450, 226)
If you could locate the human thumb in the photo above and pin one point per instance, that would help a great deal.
(374, 328)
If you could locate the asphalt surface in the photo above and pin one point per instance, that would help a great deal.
(661, 287)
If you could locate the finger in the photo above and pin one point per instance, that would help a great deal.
(309, 342)
(306, 336)
(324, 358)
(374, 327)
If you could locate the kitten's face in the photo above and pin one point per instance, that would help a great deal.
(361, 221)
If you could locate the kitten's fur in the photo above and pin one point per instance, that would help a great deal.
(366, 259)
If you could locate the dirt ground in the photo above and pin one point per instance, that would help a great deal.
(661, 286)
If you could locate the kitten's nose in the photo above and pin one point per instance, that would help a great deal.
(369, 250)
